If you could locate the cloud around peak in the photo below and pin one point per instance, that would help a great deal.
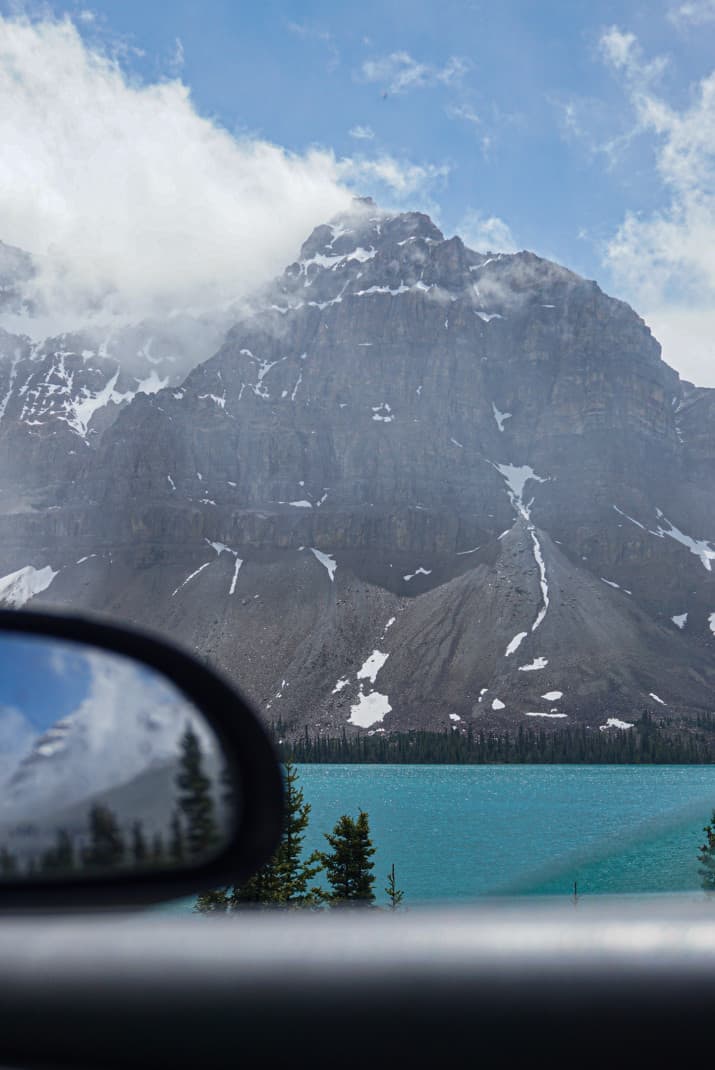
(133, 203)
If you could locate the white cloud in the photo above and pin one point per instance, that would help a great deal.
(362, 133)
(17, 736)
(463, 111)
(399, 72)
(136, 205)
(694, 12)
(397, 177)
(665, 261)
(133, 201)
(623, 53)
(486, 233)
(176, 61)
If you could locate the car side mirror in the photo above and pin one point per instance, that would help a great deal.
(129, 771)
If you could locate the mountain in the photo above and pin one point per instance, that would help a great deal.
(57, 397)
(416, 486)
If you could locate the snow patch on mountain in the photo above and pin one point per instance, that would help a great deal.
(326, 561)
(19, 587)
(81, 410)
(500, 417)
(515, 644)
(369, 709)
(701, 548)
(516, 477)
(191, 577)
(616, 586)
(371, 666)
(418, 572)
(220, 548)
(536, 664)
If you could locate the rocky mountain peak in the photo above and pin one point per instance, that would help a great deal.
(417, 486)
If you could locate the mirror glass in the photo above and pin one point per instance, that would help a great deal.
(104, 764)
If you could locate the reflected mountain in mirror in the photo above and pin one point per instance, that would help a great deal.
(103, 764)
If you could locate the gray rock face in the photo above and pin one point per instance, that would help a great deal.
(417, 486)
(59, 396)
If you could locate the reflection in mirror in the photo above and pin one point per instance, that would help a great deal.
(103, 764)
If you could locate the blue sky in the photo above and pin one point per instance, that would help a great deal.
(570, 128)
(44, 680)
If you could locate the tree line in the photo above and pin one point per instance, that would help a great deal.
(107, 843)
(288, 879)
(662, 742)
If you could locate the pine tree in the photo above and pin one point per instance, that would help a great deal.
(348, 865)
(285, 879)
(395, 895)
(157, 849)
(262, 889)
(140, 851)
(217, 901)
(8, 863)
(706, 857)
(293, 873)
(176, 840)
(195, 798)
(61, 856)
(106, 846)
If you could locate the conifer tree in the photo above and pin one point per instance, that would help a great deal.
(217, 901)
(196, 801)
(348, 865)
(395, 895)
(64, 850)
(140, 851)
(176, 840)
(260, 890)
(285, 879)
(106, 846)
(706, 857)
(61, 856)
(157, 849)
(8, 862)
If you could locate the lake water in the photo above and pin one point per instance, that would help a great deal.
(458, 832)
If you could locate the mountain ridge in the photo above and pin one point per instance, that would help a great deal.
(401, 427)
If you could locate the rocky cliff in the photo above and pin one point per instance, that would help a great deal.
(417, 486)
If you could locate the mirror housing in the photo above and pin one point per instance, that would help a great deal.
(257, 796)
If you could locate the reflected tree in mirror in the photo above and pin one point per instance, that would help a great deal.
(104, 765)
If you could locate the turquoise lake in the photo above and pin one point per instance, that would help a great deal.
(459, 832)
